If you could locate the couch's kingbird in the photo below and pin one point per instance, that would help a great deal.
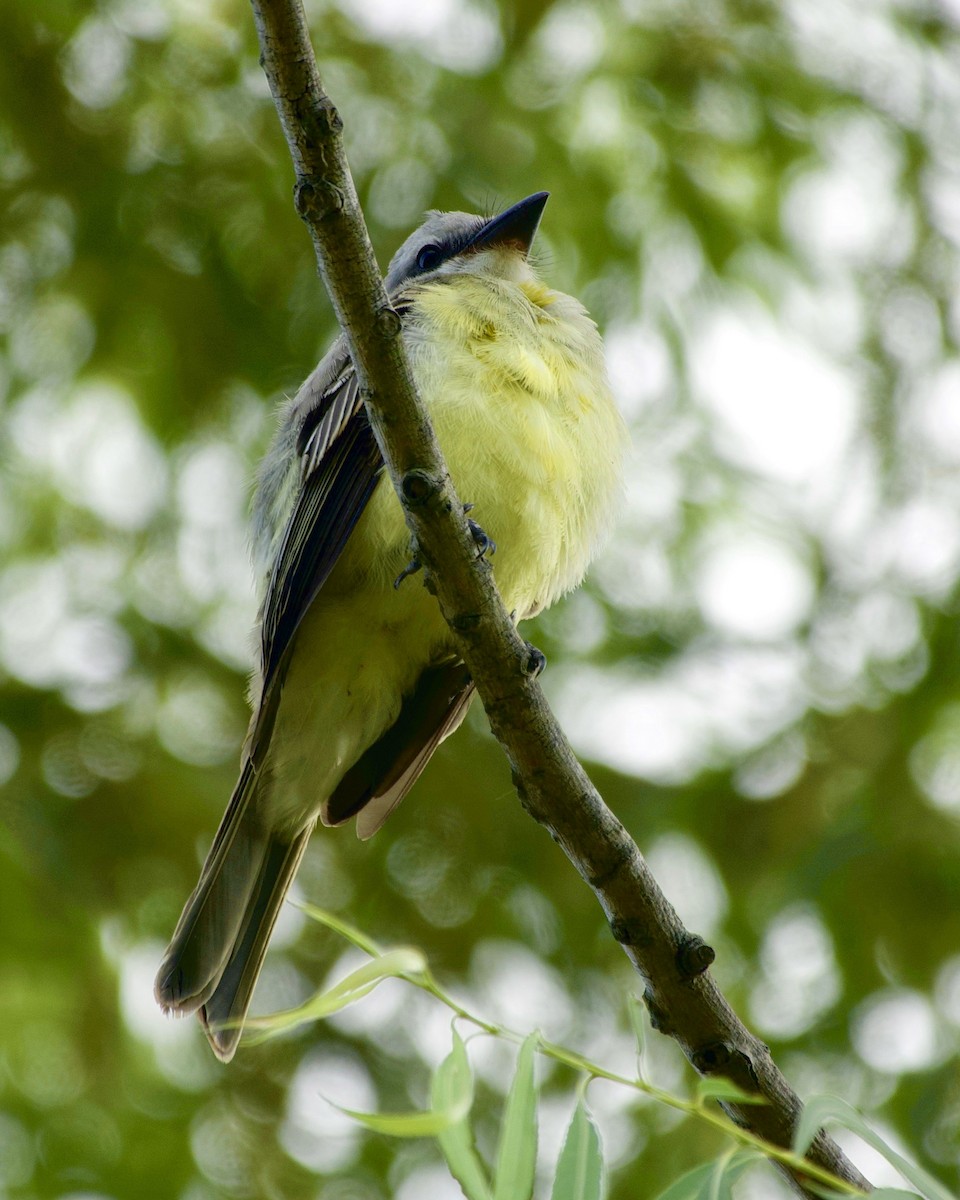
(359, 681)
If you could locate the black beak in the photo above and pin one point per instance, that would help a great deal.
(516, 227)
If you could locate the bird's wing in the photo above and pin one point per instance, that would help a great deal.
(340, 463)
(381, 777)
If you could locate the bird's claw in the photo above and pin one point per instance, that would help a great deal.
(412, 567)
(485, 545)
(535, 663)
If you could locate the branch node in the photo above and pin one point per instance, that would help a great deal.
(331, 116)
(418, 486)
(629, 931)
(388, 322)
(316, 199)
(600, 879)
(713, 1057)
(535, 661)
(659, 1017)
(694, 956)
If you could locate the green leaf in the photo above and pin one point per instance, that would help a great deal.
(712, 1180)
(456, 1140)
(635, 1011)
(717, 1087)
(346, 930)
(405, 960)
(517, 1152)
(580, 1165)
(401, 1125)
(452, 1096)
(892, 1194)
(690, 1186)
(822, 1110)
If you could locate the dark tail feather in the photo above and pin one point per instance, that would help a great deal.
(223, 1013)
(217, 949)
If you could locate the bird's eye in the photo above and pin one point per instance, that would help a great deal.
(429, 257)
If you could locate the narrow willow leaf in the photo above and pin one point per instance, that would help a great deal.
(691, 1186)
(451, 1101)
(517, 1152)
(347, 931)
(456, 1141)
(820, 1110)
(636, 1012)
(716, 1087)
(726, 1170)
(892, 1194)
(401, 1125)
(713, 1180)
(580, 1165)
(403, 961)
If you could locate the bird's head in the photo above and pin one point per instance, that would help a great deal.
(460, 243)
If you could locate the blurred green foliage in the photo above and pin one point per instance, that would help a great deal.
(760, 203)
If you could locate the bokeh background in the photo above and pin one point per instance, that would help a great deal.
(760, 203)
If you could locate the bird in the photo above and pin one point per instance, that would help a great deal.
(358, 679)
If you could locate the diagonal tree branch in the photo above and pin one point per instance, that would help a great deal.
(681, 996)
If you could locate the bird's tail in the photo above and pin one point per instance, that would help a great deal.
(217, 949)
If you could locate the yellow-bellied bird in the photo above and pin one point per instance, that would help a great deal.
(359, 681)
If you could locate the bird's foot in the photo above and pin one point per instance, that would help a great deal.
(412, 567)
(535, 663)
(485, 545)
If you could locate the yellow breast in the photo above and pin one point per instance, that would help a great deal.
(514, 379)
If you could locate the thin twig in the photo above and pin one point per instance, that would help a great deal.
(682, 997)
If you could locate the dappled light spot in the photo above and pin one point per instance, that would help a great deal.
(800, 981)
(64, 769)
(667, 725)
(458, 34)
(895, 1030)
(417, 864)
(688, 875)
(571, 37)
(935, 761)
(212, 485)
(95, 63)
(947, 990)
(18, 1153)
(773, 769)
(847, 211)
(45, 643)
(400, 192)
(104, 458)
(751, 587)
(639, 366)
(314, 1131)
(224, 1147)
(937, 412)
(9, 754)
(780, 407)
(51, 339)
(196, 723)
(924, 544)
(179, 1051)
(519, 988)
(910, 326)
(45, 1065)
(434, 1181)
